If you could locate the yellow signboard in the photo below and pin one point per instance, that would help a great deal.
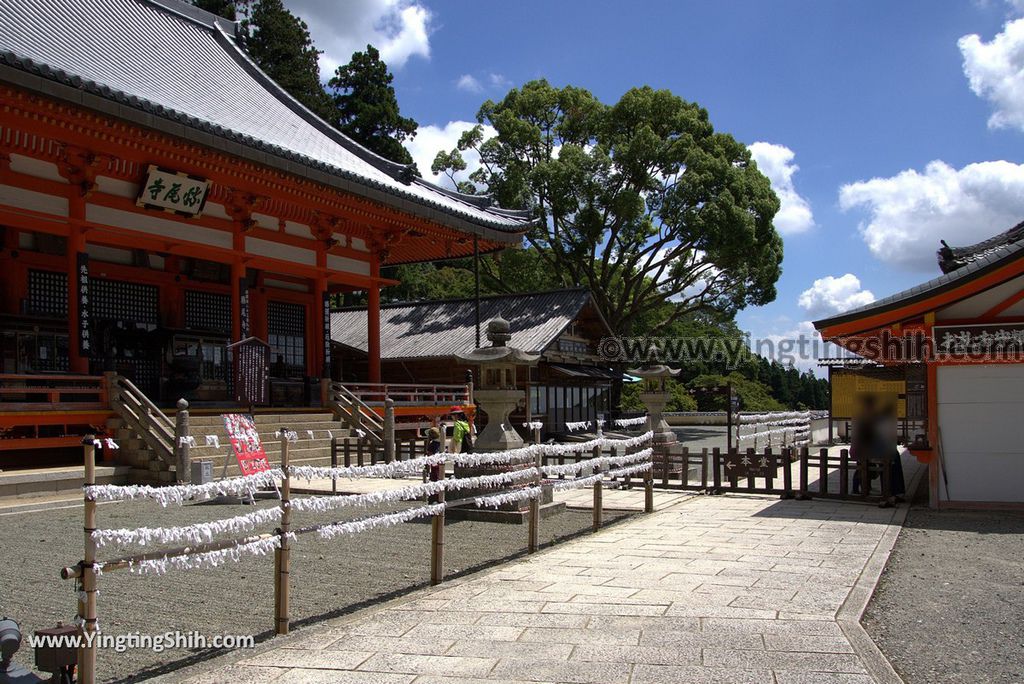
(849, 386)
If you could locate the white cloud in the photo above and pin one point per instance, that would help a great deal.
(472, 84)
(910, 212)
(798, 345)
(432, 139)
(399, 29)
(831, 295)
(776, 162)
(995, 71)
(469, 83)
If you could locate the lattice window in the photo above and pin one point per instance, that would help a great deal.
(286, 334)
(208, 311)
(117, 300)
(47, 293)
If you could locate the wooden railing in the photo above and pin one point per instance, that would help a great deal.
(24, 392)
(410, 394)
(355, 413)
(142, 416)
(49, 411)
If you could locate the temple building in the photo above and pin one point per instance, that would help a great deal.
(421, 343)
(161, 197)
(951, 351)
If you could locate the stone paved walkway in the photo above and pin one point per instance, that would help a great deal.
(715, 589)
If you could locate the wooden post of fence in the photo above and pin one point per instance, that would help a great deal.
(716, 465)
(181, 430)
(534, 520)
(787, 473)
(649, 486)
(684, 477)
(334, 464)
(437, 530)
(87, 608)
(282, 561)
(389, 430)
(598, 494)
(804, 456)
(823, 471)
(844, 471)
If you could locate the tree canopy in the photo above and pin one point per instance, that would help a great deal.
(366, 109)
(279, 42)
(642, 201)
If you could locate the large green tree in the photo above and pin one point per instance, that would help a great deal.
(280, 44)
(222, 8)
(642, 201)
(366, 109)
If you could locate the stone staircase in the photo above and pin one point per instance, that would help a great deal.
(147, 468)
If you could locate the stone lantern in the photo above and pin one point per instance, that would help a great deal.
(655, 396)
(497, 394)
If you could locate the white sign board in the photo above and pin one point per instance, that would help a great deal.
(173, 191)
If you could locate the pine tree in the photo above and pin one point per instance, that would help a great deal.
(279, 42)
(366, 108)
(222, 8)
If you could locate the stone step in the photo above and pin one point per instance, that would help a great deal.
(56, 481)
(276, 419)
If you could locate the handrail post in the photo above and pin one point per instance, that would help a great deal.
(282, 560)
(389, 430)
(87, 608)
(649, 483)
(181, 446)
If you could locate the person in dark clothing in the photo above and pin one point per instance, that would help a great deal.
(874, 444)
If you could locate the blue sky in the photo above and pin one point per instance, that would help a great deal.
(883, 126)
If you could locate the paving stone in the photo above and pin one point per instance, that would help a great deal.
(671, 674)
(813, 662)
(699, 640)
(242, 674)
(714, 625)
(652, 655)
(575, 672)
(603, 609)
(628, 637)
(427, 664)
(384, 644)
(312, 659)
(790, 677)
(530, 650)
(819, 643)
(455, 632)
(534, 620)
(301, 676)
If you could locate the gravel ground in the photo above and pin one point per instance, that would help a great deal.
(950, 605)
(330, 578)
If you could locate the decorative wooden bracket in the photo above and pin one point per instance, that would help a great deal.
(240, 207)
(81, 166)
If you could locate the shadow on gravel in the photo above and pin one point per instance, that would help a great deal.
(311, 621)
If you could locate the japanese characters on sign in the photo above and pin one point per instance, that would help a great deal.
(979, 339)
(252, 365)
(748, 465)
(174, 192)
(243, 305)
(245, 441)
(84, 329)
(327, 336)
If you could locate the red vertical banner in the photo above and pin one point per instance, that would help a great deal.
(245, 440)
